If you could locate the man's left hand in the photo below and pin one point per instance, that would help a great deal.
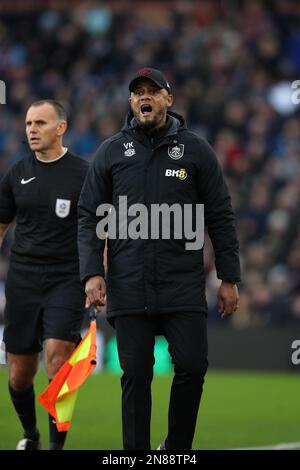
(228, 298)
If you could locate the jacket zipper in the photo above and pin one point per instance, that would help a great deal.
(155, 244)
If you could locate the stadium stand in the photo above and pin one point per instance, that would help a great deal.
(232, 65)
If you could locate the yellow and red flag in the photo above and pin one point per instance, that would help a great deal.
(60, 396)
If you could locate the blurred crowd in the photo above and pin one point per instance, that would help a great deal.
(231, 66)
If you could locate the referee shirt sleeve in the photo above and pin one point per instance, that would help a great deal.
(219, 216)
(96, 190)
(8, 208)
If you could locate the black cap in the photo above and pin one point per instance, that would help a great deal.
(152, 74)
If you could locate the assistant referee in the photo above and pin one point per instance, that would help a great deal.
(44, 297)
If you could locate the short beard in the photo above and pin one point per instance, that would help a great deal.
(150, 125)
(146, 126)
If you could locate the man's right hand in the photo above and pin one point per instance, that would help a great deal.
(95, 289)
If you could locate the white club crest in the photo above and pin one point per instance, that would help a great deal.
(62, 208)
(176, 151)
(129, 152)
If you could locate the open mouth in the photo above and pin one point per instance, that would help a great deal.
(34, 140)
(146, 109)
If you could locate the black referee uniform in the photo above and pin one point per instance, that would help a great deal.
(44, 297)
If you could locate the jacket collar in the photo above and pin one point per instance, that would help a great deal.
(175, 123)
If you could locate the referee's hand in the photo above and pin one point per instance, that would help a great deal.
(95, 289)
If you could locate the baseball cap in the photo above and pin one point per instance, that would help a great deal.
(152, 74)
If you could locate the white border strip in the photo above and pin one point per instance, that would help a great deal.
(283, 446)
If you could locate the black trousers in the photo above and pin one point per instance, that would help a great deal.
(186, 334)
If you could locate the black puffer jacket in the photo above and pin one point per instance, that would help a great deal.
(146, 275)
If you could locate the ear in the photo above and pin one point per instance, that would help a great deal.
(61, 128)
(170, 100)
(129, 100)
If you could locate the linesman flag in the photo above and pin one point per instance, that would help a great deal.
(60, 396)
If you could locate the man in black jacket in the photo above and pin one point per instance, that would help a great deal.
(44, 296)
(156, 282)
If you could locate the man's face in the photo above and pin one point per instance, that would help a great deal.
(149, 104)
(43, 128)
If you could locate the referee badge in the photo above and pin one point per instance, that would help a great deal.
(62, 208)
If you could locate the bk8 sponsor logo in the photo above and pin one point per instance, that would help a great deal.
(181, 174)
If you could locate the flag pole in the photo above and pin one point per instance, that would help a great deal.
(93, 316)
(93, 313)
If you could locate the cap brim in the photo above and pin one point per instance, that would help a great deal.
(133, 83)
